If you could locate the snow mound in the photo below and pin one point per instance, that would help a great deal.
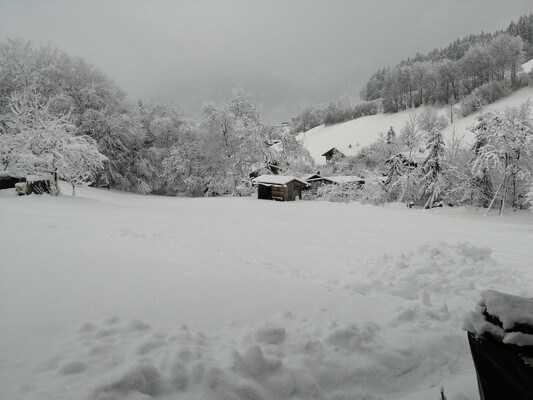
(131, 360)
(412, 345)
(436, 272)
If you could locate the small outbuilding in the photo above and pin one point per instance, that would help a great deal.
(333, 152)
(316, 182)
(8, 180)
(279, 187)
(38, 184)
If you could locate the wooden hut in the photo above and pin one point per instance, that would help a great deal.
(332, 153)
(315, 183)
(318, 181)
(8, 180)
(279, 187)
(407, 160)
(38, 184)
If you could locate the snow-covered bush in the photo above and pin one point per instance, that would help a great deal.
(343, 192)
(374, 190)
(483, 95)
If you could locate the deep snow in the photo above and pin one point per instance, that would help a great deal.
(113, 295)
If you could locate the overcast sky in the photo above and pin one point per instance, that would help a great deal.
(285, 52)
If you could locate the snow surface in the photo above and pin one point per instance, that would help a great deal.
(349, 137)
(528, 66)
(118, 296)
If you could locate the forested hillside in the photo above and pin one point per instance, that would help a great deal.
(475, 70)
(55, 109)
(467, 74)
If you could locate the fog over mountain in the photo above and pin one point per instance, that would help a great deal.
(286, 53)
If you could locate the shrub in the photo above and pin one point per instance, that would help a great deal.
(341, 193)
(483, 95)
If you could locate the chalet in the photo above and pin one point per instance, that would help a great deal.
(332, 153)
(279, 187)
(310, 176)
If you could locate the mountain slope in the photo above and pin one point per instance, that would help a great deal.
(349, 137)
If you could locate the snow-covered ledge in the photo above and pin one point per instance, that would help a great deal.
(511, 315)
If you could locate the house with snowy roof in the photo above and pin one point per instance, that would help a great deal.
(308, 177)
(279, 187)
(332, 153)
(407, 159)
(316, 182)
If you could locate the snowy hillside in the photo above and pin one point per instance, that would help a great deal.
(115, 296)
(528, 66)
(350, 136)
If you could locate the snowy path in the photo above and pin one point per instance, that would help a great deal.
(280, 300)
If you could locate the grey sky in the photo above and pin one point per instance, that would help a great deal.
(286, 52)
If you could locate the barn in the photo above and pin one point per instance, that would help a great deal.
(279, 187)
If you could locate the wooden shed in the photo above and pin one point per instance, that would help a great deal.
(332, 153)
(38, 184)
(279, 187)
(9, 179)
(314, 183)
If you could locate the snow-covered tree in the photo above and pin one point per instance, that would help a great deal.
(507, 152)
(391, 136)
(410, 140)
(374, 190)
(432, 167)
(42, 142)
(79, 161)
(339, 193)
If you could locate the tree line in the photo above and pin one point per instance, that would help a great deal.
(465, 75)
(55, 110)
(473, 71)
(419, 166)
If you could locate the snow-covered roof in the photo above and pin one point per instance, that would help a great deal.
(10, 174)
(277, 179)
(417, 156)
(310, 176)
(511, 311)
(344, 179)
(332, 151)
(33, 178)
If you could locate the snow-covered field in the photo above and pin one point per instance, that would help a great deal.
(118, 296)
(349, 137)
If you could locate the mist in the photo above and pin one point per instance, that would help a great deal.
(285, 53)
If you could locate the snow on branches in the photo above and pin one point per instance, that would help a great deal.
(505, 148)
(38, 141)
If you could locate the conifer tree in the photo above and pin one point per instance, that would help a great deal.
(432, 168)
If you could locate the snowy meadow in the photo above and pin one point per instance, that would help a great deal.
(110, 295)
